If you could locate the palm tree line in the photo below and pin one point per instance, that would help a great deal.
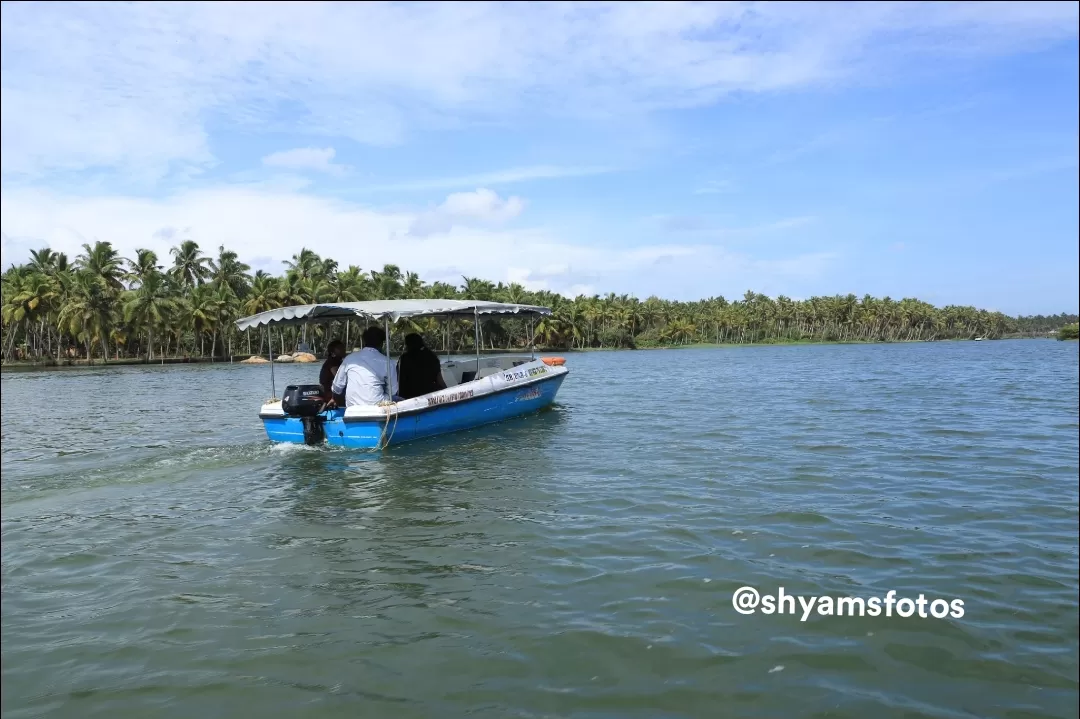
(104, 305)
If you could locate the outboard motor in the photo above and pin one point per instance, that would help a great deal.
(306, 401)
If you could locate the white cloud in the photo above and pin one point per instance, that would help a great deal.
(497, 177)
(461, 208)
(265, 225)
(305, 158)
(14, 251)
(482, 205)
(134, 86)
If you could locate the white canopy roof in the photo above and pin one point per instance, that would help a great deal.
(389, 309)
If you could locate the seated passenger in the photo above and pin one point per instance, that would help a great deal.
(362, 377)
(419, 369)
(335, 353)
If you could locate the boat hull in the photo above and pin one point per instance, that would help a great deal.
(455, 409)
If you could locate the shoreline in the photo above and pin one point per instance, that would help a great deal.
(122, 362)
(782, 343)
(23, 365)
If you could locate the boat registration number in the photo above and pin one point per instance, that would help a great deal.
(524, 374)
(448, 398)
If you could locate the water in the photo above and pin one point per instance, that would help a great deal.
(160, 559)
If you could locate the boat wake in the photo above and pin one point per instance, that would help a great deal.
(135, 466)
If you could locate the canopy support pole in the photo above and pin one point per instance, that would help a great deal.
(389, 384)
(532, 340)
(273, 384)
(476, 337)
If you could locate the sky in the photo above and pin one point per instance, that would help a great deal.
(681, 150)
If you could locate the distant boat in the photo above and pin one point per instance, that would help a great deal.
(478, 391)
(978, 339)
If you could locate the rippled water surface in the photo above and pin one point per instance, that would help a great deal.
(160, 558)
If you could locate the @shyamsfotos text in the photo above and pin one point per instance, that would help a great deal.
(748, 600)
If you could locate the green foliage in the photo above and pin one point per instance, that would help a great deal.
(1069, 332)
(103, 304)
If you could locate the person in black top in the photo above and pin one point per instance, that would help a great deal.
(419, 369)
(335, 353)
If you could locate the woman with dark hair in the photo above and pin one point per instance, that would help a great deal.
(335, 353)
(419, 369)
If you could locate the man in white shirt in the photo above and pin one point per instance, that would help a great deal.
(361, 378)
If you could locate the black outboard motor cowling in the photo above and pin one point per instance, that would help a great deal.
(302, 400)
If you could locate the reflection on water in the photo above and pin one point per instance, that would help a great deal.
(163, 559)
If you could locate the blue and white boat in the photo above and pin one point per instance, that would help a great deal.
(478, 391)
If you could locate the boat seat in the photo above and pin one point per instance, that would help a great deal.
(487, 372)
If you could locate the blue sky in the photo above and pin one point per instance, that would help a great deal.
(678, 149)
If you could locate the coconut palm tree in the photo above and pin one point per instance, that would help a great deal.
(190, 266)
(203, 312)
(29, 297)
(229, 271)
(386, 284)
(144, 265)
(89, 310)
(48, 263)
(103, 263)
(305, 263)
(150, 305)
(412, 288)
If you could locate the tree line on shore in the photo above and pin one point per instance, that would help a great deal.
(103, 305)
